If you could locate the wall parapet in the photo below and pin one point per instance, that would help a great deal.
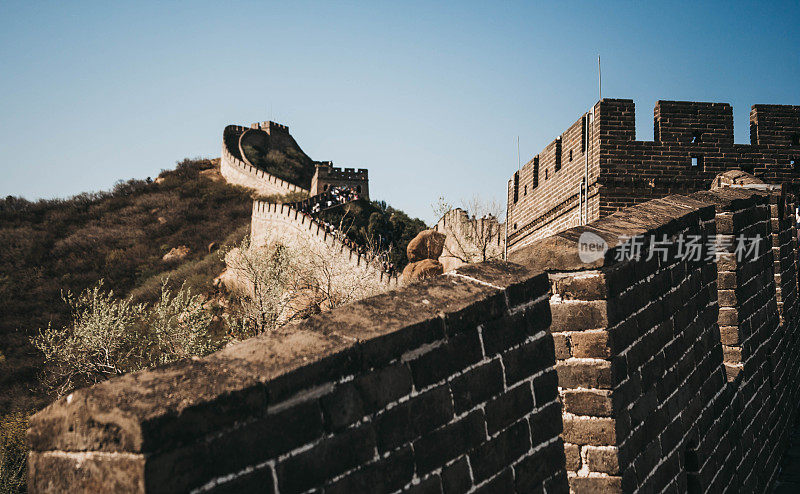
(335, 173)
(237, 170)
(557, 373)
(675, 372)
(306, 223)
(373, 397)
(692, 144)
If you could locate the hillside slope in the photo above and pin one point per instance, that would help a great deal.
(54, 246)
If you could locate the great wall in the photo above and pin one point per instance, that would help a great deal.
(284, 223)
(237, 170)
(287, 222)
(597, 166)
(552, 372)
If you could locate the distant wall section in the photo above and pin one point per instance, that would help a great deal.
(327, 176)
(237, 171)
(280, 222)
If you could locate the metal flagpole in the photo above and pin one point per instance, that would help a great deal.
(599, 78)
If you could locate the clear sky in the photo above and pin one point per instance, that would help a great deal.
(429, 97)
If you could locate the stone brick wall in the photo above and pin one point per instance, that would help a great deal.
(693, 143)
(327, 176)
(237, 171)
(544, 197)
(281, 222)
(623, 373)
(686, 130)
(444, 386)
(656, 394)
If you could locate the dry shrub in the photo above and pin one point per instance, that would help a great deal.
(13, 453)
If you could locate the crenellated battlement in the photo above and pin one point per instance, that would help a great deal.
(270, 127)
(326, 170)
(775, 125)
(598, 167)
(270, 220)
(327, 176)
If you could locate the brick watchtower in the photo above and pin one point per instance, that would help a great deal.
(597, 166)
(327, 176)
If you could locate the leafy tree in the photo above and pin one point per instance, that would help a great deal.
(377, 224)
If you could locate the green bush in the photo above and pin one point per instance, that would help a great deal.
(376, 223)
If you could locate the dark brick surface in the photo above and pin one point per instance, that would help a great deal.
(417, 416)
(503, 482)
(533, 470)
(508, 408)
(477, 385)
(456, 477)
(384, 386)
(342, 407)
(383, 476)
(530, 358)
(500, 451)
(325, 460)
(456, 353)
(431, 485)
(449, 442)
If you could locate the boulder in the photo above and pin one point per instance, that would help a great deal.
(426, 268)
(176, 254)
(428, 244)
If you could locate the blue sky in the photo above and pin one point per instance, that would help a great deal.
(429, 97)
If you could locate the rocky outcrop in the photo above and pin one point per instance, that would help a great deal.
(423, 253)
(419, 270)
(428, 244)
(176, 254)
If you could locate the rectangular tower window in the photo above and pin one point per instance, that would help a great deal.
(535, 171)
(697, 162)
(516, 187)
(558, 154)
(583, 133)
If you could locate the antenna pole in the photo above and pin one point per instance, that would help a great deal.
(519, 161)
(599, 79)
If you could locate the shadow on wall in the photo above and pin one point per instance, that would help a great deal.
(453, 383)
